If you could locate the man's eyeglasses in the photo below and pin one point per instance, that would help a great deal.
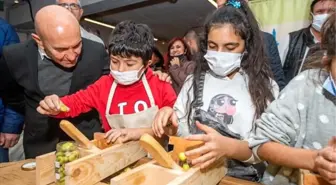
(71, 6)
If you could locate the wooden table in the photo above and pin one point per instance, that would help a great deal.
(12, 174)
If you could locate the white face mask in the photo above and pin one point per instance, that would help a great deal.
(223, 63)
(318, 21)
(127, 77)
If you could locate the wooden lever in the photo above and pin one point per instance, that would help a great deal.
(77, 135)
(158, 152)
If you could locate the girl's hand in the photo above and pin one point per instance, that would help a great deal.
(165, 118)
(325, 162)
(51, 106)
(122, 135)
(212, 148)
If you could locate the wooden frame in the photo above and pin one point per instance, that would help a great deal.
(308, 178)
(168, 172)
(153, 174)
(92, 167)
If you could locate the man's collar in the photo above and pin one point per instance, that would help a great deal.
(330, 85)
(42, 53)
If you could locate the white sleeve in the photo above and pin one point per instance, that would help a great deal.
(182, 106)
(283, 48)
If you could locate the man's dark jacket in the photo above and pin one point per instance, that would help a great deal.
(20, 90)
(273, 56)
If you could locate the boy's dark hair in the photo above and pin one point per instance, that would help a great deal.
(131, 39)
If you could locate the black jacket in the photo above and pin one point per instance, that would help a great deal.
(273, 56)
(298, 43)
(20, 90)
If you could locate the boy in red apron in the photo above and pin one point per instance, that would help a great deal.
(127, 99)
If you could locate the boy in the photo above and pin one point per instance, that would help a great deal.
(127, 99)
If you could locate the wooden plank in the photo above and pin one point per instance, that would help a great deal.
(45, 169)
(311, 179)
(96, 167)
(13, 175)
(196, 176)
(147, 174)
(233, 181)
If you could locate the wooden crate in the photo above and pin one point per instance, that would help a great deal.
(92, 167)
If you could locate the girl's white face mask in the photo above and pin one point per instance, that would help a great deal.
(223, 63)
(127, 77)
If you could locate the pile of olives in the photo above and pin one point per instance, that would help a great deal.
(183, 161)
(65, 152)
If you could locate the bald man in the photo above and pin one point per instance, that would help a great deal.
(56, 61)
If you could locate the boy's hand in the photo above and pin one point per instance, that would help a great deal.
(163, 76)
(122, 135)
(162, 121)
(51, 106)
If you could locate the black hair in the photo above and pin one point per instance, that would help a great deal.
(254, 63)
(312, 5)
(159, 55)
(132, 39)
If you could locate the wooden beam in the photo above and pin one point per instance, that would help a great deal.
(45, 169)
(98, 166)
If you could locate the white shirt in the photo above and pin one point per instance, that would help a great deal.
(90, 36)
(228, 96)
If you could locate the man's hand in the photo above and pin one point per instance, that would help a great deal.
(8, 140)
(163, 76)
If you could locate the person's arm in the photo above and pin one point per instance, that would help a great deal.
(288, 156)
(180, 73)
(281, 123)
(182, 108)
(10, 91)
(275, 61)
(84, 100)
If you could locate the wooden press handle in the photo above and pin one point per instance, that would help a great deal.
(76, 135)
(158, 152)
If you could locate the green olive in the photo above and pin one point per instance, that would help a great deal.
(59, 158)
(72, 157)
(182, 156)
(76, 153)
(62, 179)
(61, 169)
(186, 167)
(68, 146)
(59, 154)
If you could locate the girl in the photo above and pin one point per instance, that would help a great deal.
(180, 64)
(130, 97)
(229, 89)
(298, 130)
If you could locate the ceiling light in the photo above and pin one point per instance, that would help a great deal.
(16, 1)
(99, 23)
(104, 24)
(213, 3)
